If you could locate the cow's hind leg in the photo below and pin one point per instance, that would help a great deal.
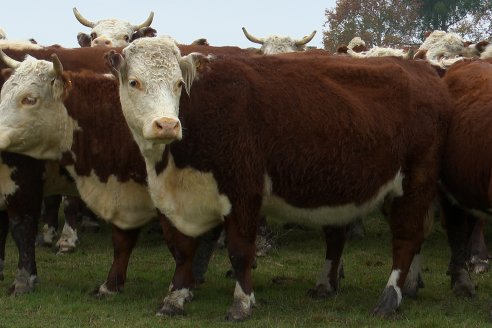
(408, 213)
(123, 242)
(67, 243)
(459, 231)
(329, 279)
(49, 219)
(477, 249)
(183, 249)
(4, 230)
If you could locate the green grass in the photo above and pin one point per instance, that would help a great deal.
(63, 298)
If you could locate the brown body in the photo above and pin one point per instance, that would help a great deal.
(467, 162)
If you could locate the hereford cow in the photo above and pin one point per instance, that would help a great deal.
(114, 190)
(112, 32)
(275, 44)
(467, 162)
(284, 136)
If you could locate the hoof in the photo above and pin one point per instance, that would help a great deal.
(463, 286)
(103, 292)
(388, 303)
(65, 249)
(320, 292)
(24, 283)
(170, 310)
(263, 246)
(478, 265)
(411, 288)
(46, 237)
(237, 313)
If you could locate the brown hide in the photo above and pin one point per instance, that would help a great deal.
(467, 162)
(104, 143)
(328, 131)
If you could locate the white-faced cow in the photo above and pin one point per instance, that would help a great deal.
(105, 163)
(112, 32)
(284, 136)
(275, 44)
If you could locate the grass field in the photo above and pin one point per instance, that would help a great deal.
(63, 298)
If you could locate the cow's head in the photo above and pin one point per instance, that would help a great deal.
(33, 120)
(112, 32)
(279, 44)
(152, 74)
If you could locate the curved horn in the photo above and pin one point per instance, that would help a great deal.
(82, 20)
(57, 65)
(305, 39)
(252, 38)
(10, 62)
(146, 23)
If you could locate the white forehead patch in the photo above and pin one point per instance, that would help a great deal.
(152, 57)
(278, 44)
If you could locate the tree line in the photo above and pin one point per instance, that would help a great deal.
(397, 23)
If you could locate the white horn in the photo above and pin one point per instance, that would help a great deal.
(10, 62)
(305, 39)
(82, 20)
(252, 38)
(146, 23)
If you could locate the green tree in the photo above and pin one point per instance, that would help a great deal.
(444, 14)
(378, 22)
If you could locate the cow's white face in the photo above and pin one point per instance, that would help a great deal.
(33, 119)
(151, 80)
(111, 33)
(279, 45)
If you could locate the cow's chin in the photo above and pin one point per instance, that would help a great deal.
(162, 141)
(5, 140)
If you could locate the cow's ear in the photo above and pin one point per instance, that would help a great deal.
(147, 32)
(342, 49)
(84, 40)
(481, 46)
(5, 74)
(190, 65)
(116, 62)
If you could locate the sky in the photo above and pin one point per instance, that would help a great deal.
(220, 22)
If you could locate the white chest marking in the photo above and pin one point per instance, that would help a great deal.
(7, 185)
(338, 215)
(125, 204)
(189, 198)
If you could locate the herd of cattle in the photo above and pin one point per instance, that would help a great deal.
(208, 138)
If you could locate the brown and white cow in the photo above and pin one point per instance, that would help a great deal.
(467, 163)
(99, 156)
(275, 44)
(284, 136)
(112, 32)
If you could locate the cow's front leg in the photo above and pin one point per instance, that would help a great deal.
(123, 243)
(183, 249)
(23, 228)
(4, 230)
(329, 279)
(241, 247)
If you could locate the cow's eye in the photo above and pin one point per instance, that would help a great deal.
(134, 83)
(93, 35)
(126, 38)
(29, 101)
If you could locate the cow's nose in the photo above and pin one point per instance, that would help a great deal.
(102, 42)
(166, 128)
